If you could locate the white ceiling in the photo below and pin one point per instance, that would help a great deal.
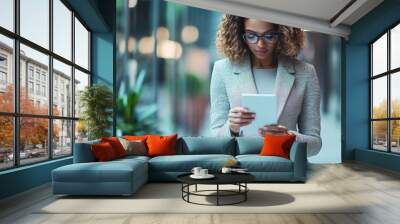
(320, 9)
(325, 16)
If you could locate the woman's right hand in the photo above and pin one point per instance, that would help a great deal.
(238, 117)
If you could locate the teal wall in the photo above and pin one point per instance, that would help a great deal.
(357, 84)
(102, 58)
(24, 178)
(99, 15)
(103, 50)
(103, 41)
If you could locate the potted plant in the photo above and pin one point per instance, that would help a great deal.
(133, 118)
(96, 102)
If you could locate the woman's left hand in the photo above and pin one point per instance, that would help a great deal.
(276, 129)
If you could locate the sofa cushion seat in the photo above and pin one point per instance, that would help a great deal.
(257, 163)
(184, 163)
(111, 171)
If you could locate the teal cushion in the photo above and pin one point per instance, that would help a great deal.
(206, 145)
(185, 163)
(249, 145)
(257, 163)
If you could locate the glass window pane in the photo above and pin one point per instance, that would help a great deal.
(395, 94)
(35, 21)
(395, 135)
(81, 131)
(62, 89)
(6, 142)
(81, 81)
(81, 45)
(379, 56)
(33, 140)
(379, 135)
(6, 74)
(7, 14)
(62, 29)
(34, 72)
(395, 47)
(379, 97)
(62, 138)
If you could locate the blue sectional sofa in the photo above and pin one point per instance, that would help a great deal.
(125, 176)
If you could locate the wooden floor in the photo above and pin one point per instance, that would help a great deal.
(377, 188)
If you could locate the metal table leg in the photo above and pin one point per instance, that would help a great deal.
(217, 194)
(245, 194)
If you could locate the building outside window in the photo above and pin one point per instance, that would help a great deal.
(55, 97)
(44, 91)
(30, 72)
(38, 89)
(3, 81)
(3, 61)
(30, 87)
(37, 75)
(56, 134)
(3, 77)
(3, 72)
(43, 77)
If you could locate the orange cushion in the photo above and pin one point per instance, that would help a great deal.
(103, 152)
(135, 137)
(277, 145)
(116, 145)
(161, 145)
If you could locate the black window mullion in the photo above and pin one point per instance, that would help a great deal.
(50, 87)
(389, 101)
(89, 53)
(371, 89)
(84, 70)
(16, 84)
(384, 119)
(73, 82)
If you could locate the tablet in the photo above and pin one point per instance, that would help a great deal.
(265, 107)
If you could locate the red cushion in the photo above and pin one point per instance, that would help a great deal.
(116, 145)
(161, 145)
(103, 151)
(277, 145)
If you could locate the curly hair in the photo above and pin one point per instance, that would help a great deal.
(230, 43)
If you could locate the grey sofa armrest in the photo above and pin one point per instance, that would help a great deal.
(298, 155)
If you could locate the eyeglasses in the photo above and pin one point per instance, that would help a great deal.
(253, 38)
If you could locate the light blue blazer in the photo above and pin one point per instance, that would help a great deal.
(296, 87)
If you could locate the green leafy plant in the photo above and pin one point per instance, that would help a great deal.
(96, 102)
(191, 85)
(132, 118)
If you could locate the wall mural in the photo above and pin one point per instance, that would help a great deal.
(165, 67)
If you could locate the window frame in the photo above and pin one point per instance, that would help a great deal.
(16, 115)
(388, 74)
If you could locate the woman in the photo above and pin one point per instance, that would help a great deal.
(261, 58)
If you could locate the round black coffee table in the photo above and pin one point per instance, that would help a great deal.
(238, 179)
